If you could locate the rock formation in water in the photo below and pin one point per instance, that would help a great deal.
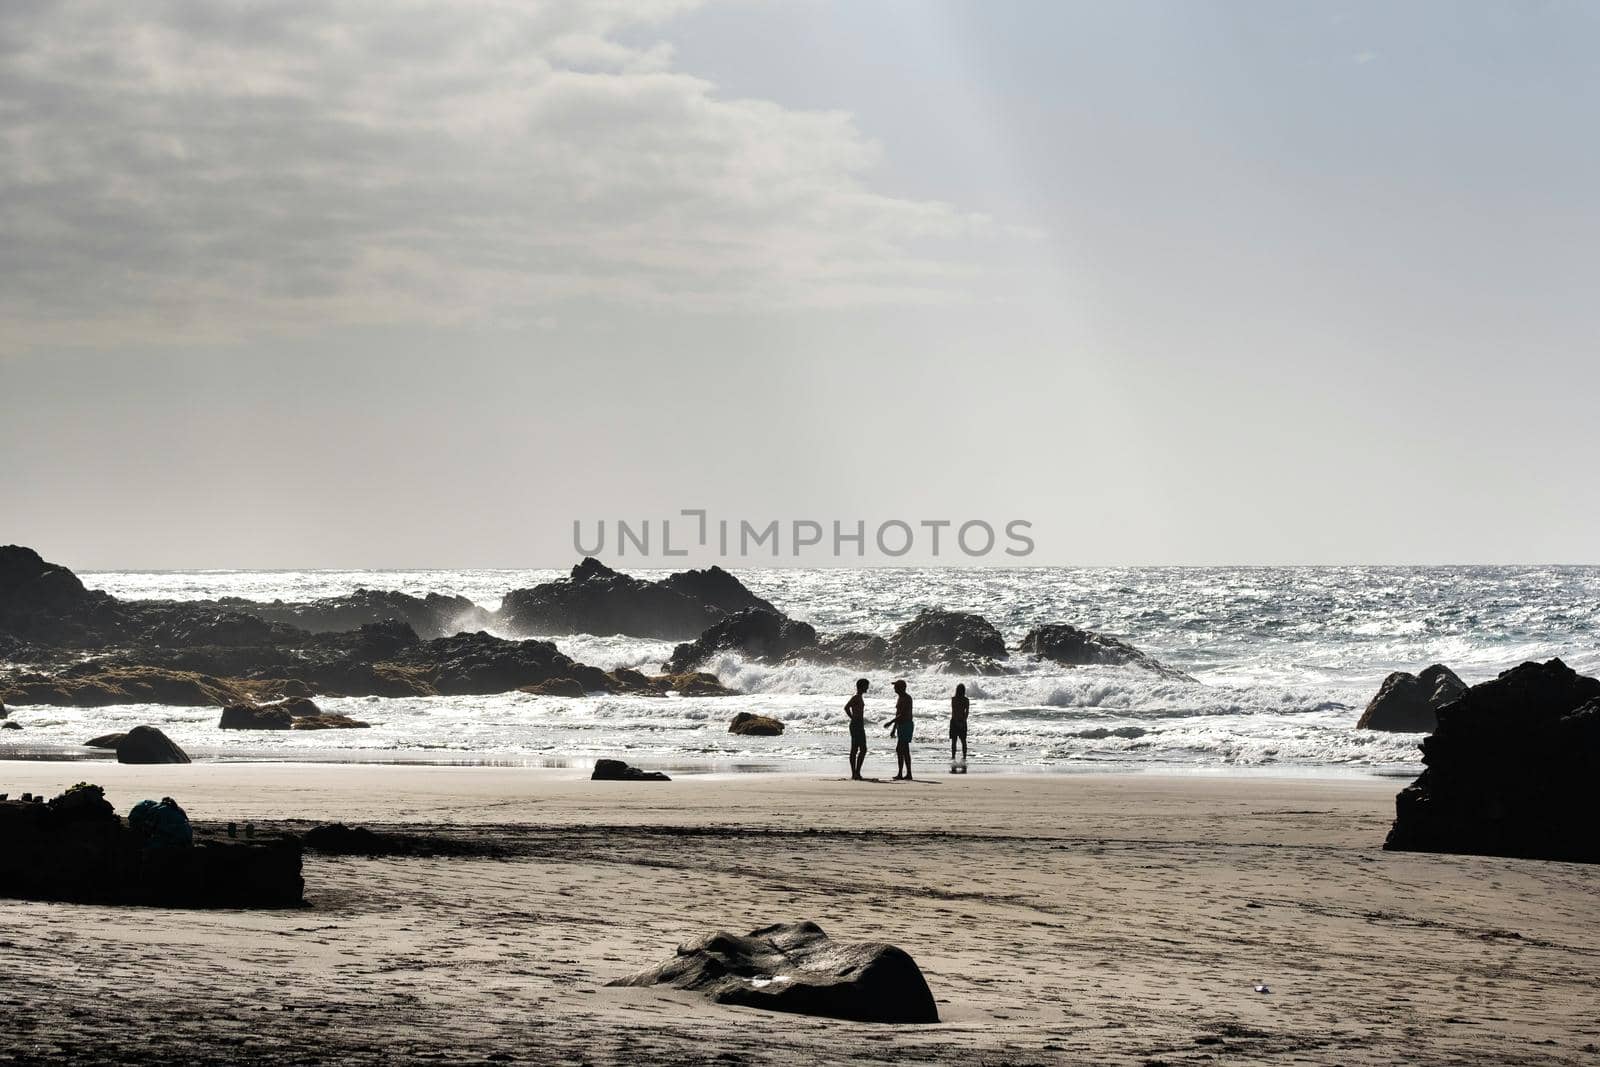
(1074, 647)
(752, 725)
(1409, 703)
(614, 770)
(1513, 769)
(956, 641)
(797, 968)
(598, 600)
(146, 744)
(762, 635)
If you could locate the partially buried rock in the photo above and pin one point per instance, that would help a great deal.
(797, 968)
(754, 725)
(1409, 703)
(250, 717)
(330, 721)
(556, 687)
(146, 744)
(614, 770)
(104, 741)
(1513, 769)
(9, 725)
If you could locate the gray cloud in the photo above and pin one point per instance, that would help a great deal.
(196, 167)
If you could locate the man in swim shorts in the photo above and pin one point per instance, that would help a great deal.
(856, 709)
(902, 727)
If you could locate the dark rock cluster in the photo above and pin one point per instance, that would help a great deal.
(598, 600)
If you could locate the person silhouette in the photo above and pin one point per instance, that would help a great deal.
(958, 722)
(902, 728)
(856, 709)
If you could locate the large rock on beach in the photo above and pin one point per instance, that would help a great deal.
(595, 599)
(1074, 647)
(797, 968)
(959, 642)
(614, 770)
(146, 744)
(1513, 769)
(1409, 703)
(761, 635)
(750, 724)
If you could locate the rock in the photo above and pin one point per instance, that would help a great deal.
(480, 663)
(614, 770)
(556, 687)
(3, 712)
(10, 725)
(598, 600)
(250, 717)
(752, 725)
(146, 744)
(762, 635)
(330, 721)
(432, 615)
(1409, 703)
(127, 685)
(104, 741)
(691, 684)
(958, 641)
(337, 839)
(29, 585)
(797, 968)
(1513, 769)
(75, 848)
(1072, 647)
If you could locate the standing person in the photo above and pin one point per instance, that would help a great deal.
(958, 722)
(902, 727)
(856, 708)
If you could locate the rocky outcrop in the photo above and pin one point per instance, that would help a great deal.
(614, 770)
(251, 717)
(750, 724)
(797, 968)
(329, 720)
(469, 664)
(146, 744)
(557, 687)
(75, 848)
(762, 635)
(292, 713)
(1409, 703)
(959, 642)
(862, 651)
(98, 687)
(1512, 769)
(432, 615)
(598, 600)
(1074, 647)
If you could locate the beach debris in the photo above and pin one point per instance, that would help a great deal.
(164, 824)
(614, 770)
(1261, 987)
(797, 968)
(1409, 703)
(1510, 771)
(146, 744)
(751, 725)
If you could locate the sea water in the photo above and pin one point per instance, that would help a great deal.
(1284, 659)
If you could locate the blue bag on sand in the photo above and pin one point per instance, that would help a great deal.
(166, 823)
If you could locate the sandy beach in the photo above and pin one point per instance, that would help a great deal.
(1058, 918)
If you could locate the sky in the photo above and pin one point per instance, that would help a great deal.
(366, 284)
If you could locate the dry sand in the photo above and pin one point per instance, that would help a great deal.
(1059, 918)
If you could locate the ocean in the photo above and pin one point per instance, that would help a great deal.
(1284, 659)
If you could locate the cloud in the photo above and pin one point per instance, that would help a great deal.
(194, 167)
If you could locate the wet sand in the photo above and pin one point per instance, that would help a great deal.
(1058, 918)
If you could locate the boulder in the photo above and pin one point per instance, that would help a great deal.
(691, 684)
(556, 687)
(715, 587)
(752, 725)
(1513, 769)
(797, 968)
(330, 721)
(127, 685)
(1409, 703)
(251, 717)
(959, 642)
(29, 585)
(862, 651)
(1074, 647)
(105, 741)
(614, 770)
(761, 635)
(598, 600)
(10, 725)
(146, 744)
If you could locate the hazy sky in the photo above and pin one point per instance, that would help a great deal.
(360, 283)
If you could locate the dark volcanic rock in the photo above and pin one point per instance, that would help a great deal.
(482, 663)
(797, 968)
(753, 725)
(1072, 647)
(10, 725)
(763, 635)
(433, 615)
(1513, 769)
(146, 744)
(76, 849)
(250, 717)
(599, 600)
(867, 652)
(959, 642)
(105, 741)
(29, 585)
(614, 770)
(1409, 703)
